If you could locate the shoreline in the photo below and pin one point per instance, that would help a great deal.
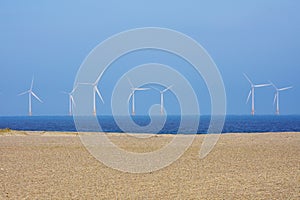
(9, 132)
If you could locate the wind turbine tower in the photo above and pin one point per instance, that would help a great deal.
(71, 100)
(276, 97)
(95, 90)
(30, 94)
(162, 98)
(252, 93)
(132, 95)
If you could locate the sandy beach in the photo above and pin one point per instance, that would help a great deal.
(44, 165)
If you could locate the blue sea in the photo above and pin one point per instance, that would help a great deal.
(233, 124)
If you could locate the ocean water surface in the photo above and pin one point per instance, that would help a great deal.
(233, 124)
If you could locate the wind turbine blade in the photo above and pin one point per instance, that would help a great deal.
(130, 82)
(130, 96)
(140, 89)
(32, 83)
(248, 79)
(74, 89)
(248, 96)
(262, 85)
(85, 83)
(23, 93)
(167, 88)
(99, 94)
(286, 88)
(275, 97)
(36, 97)
(72, 99)
(273, 85)
(97, 80)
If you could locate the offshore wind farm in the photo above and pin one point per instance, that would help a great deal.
(131, 96)
(233, 124)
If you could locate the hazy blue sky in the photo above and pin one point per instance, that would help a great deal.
(50, 39)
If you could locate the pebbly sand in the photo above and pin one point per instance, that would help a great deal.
(43, 165)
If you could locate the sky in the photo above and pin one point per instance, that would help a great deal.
(51, 39)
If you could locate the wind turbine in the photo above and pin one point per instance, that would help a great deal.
(71, 99)
(30, 94)
(162, 98)
(252, 94)
(95, 90)
(132, 94)
(276, 98)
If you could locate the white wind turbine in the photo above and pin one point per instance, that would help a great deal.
(95, 90)
(251, 93)
(71, 100)
(132, 94)
(30, 94)
(162, 98)
(276, 98)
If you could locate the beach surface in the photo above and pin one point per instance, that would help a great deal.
(53, 165)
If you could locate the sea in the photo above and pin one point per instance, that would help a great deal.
(233, 124)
